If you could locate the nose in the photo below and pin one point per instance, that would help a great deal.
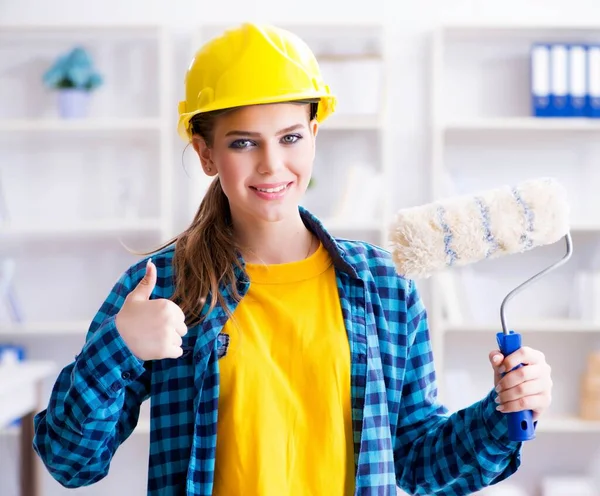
(271, 160)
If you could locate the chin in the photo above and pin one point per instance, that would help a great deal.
(275, 213)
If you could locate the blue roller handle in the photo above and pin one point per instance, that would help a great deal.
(520, 424)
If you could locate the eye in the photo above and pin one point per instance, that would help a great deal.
(288, 139)
(240, 144)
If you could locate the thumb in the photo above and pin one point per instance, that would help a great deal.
(496, 359)
(145, 287)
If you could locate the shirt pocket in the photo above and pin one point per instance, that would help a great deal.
(222, 344)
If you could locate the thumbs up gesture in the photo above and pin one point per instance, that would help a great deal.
(151, 329)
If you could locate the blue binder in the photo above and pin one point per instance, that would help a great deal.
(559, 80)
(593, 81)
(577, 92)
(540, 80)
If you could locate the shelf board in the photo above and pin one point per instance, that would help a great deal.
(348, 225)
(512, 30)
(80, 230)
(551, 325)
(50, 328)
(79, 125)
(515, 124)
(568, 424)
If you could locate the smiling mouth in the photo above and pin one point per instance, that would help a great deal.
(277, 189)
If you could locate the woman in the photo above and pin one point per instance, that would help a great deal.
(278, 360)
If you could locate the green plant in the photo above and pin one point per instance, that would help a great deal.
(73, 70)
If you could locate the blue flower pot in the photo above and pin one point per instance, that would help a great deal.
(73, 103)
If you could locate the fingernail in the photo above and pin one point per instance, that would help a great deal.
(497, 388)
(500, 408)
(501, 369)
(497, 400)
(496, 359)
(148, 262)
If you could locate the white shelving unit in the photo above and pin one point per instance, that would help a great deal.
(483, 136)
(108, 120)
(69, 237)
(352, 135)
(77, 251)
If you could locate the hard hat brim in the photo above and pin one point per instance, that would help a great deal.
(327, 103)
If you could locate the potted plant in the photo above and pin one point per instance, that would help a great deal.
(74, 77)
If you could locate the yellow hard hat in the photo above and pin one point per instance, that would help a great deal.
(248, 65)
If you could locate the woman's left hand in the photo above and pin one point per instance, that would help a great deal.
(526, 388)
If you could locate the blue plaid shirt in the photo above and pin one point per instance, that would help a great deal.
(402, 435)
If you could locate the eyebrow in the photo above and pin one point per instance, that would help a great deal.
(289, 129)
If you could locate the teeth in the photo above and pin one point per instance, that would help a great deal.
(272, 190)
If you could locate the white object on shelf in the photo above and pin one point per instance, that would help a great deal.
(360, 195)
(453, 297)
(18, 388)
(585, 296)
(356, 82)
(11, 308)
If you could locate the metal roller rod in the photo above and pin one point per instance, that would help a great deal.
(531, 280)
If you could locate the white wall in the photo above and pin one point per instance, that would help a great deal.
(411, 22)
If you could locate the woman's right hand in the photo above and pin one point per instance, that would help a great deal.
(151, 329)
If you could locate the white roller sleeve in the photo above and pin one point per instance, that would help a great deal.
(466, 229)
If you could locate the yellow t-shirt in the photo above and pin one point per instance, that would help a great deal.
(285, 422)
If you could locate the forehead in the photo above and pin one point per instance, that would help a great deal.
(263, 119)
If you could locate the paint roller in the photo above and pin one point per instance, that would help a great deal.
(462, 230)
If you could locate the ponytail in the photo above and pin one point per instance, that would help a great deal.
(206, 255)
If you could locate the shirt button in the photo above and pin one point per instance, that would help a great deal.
(125, 375)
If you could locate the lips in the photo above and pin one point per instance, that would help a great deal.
(272, 191)
(271, 188)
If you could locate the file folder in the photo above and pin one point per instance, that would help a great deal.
(593, 81)
(559, 80)
(540, 80)
(577, 93)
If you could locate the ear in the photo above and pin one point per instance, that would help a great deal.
(314, 127)
(205, 154)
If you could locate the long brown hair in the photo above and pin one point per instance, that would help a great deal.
(206, 253)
